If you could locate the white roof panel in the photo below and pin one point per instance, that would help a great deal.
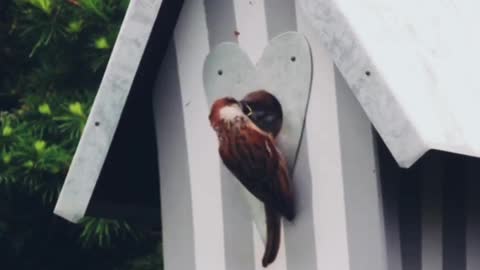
(413, 67)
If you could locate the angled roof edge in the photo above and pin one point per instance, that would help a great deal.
(353, 61)
(105, 114)
(401, 61)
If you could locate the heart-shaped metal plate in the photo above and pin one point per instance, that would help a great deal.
(285, 70)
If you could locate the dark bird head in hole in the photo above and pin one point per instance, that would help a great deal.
(264, 110)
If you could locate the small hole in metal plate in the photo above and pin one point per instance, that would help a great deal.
(97, 124)
(220, 72)
(368, 73)
(293, 59)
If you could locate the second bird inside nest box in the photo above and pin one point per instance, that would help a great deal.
(264, 110)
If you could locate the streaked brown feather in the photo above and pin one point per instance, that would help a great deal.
(259, 166)
(252, 156)
(273, 236)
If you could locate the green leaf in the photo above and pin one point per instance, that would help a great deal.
(45, 5)
(44, 109)
(95, 6)
(40, 146)
(29, 164)
(101, 43)
(76, 109)
(7, 158)
(7, 131)
(75, 26)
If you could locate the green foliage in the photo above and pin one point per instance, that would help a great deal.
(38, 141)
(52, 56)
(57, 45)
(103, 232)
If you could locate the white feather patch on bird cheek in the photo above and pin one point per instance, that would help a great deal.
(229, 113)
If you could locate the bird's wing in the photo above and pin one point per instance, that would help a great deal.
(256, 162)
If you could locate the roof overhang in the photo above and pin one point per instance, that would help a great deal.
(130, 74)
(412, 66)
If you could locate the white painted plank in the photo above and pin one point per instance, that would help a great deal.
(176, 198)
(102, 122)
(364, 210)
(432, 229)
(192, 47)
(391, 178)
(347, 202)
(251, 27)
(324, 149)
(253, 39)
(473, 215)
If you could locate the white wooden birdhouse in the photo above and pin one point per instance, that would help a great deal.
(343, 72)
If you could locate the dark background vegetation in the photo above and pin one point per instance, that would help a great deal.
(52, 57)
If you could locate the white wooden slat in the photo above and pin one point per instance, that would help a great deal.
(192, 47)
(432, 238)
(102, 122)
(251, 27)
(175, 187)
(393, 239)
(258, 248)
(238, 229)
(390, 181)
(253, 39)
(473, 215)
(299, 243)
(364, 210)
(281, 16)
(324, 150)
(347, 204)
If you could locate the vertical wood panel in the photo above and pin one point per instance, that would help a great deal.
(353, 204)
(177, 222)
(324, 149)
(473, 214)
(410, 219)
(391, 177)
(281, 16)
(253, 39)
(251, 27)
(300, 246)
(238, 228)
(191, 41)
(364, 212)
(454, 218)
(221, 24)
(432, 177)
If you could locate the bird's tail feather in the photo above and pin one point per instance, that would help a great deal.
(273, 236)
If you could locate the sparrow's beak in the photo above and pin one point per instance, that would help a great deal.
(246, 108)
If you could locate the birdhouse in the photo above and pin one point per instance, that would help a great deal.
(378, 131)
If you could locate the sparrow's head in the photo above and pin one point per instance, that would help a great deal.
(225, 109)
(264, 110)
(261, 107)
